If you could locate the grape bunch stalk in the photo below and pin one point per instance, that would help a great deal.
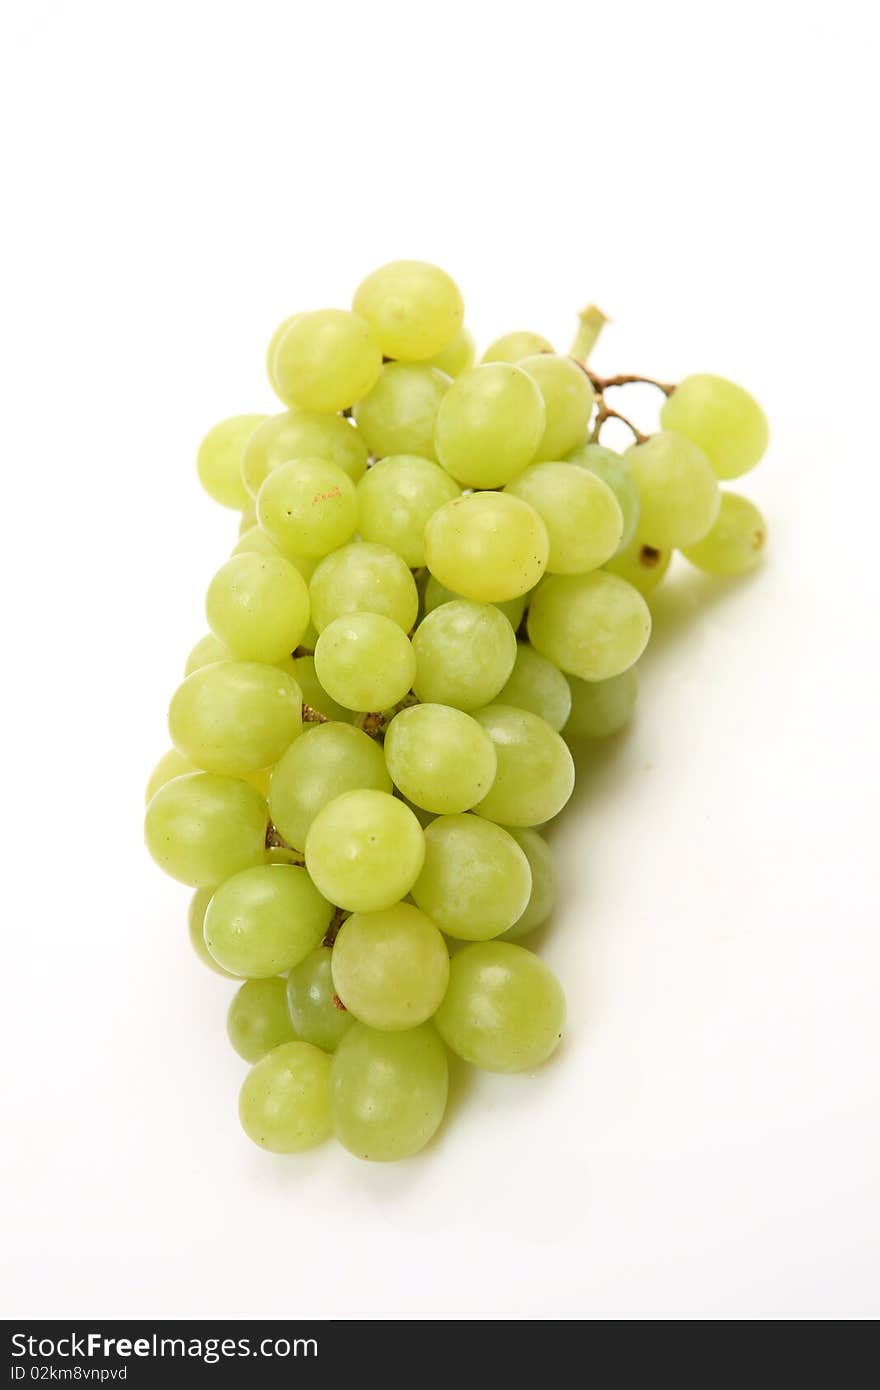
(441, 583)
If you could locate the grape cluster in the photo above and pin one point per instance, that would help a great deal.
(440, 583)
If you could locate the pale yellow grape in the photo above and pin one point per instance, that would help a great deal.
(390, 968)
(364, 850)
(535, 774)
(284, 1105)
(308, 507)
(327, 761)
(314, 694)
(196, 929)
(203, 827)
(727, 423)
(436, 593)
(583, 517)
(208, 649)
(397, 497)
(413, 308)
(537, 685)
(489, 425)
(476, 881)
(365, 662)
(388, 1091)
(439, 758)
(465, 652)
(542, 898)
(504, 1009)
(457, 356)
(614, 470)
(325, 360)
(363, 578)
(171, 764)
(273, 343)
(265, 920)
(601, 708)
(248, 518)
(398, 415)
(513, 347)
(254, 541)
(488, 546)
(641, 565)
(678, 490)
(589, 625)
(568, 402)
(235, 717)
(218, 461)
(258, 606)
(302, 434)
(317, 1014)
(258, 1019)
(735, 543)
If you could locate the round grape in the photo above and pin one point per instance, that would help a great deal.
(397, 498)
(235, 716)
(568, 402)
(308, 507)
(464, 653)
(535, 774)
(398, 415)
(317, 1013)
(202, 827)
(388, 1091)
(489, 425)
(365, 850)
(284, 1105)
(488, 546)
(589, 625)
(413, 308)
(513, 347)
(440, 758)
(329, 760)
(475, 882)
(735, 543)
(390, 968)
(363, 578)
(218, 461)
(325, 360)
(258, 607)
(365, 662)
(678, 491)
(537, 685)
(265, 920)
(258, 1019)
(302, 434)
(723, 419)
(504, 1009)
(583, 519)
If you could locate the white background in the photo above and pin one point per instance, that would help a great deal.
(179, 178)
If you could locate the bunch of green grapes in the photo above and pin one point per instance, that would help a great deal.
(441, 585)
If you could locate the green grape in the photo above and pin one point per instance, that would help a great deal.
(488, 546)
(489, 425)
(440, 758)
(535, 775)
(254, 541)
(537, 685)
(171, 764)
(464, 653)
(543, 895)
(723, 419)
(641, 565)
(390, 968)
(437, 593)
(235, 716)
(476, 880)
(397, 498)
(284, 1105)
(364, 850)
(265, 920)
(589, 625)
(258, 607)
(678, 491)
(258, 1018)
(308, 507)
(388, 1091)
(583, 519)
(248, 519)
(364, 661)
(568, 402)
(329, 760)
(218, 461)
(504, 1009)
(311, 994)
(325, 360)
(513, 347)
(201, 828)
(735, 542)
(414, 309)
(314, 694)
(363, 578)
(302, 434)
(457, 355)
(600, 708)
(196, 924)
(614, 471)
(206, 651)
(398, 415)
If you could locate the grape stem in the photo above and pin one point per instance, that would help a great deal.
(601, 384)
(591, 321)
(606, 413)
(336, 921)
(313, 716)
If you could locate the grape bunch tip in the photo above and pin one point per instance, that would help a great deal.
(441, 582)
